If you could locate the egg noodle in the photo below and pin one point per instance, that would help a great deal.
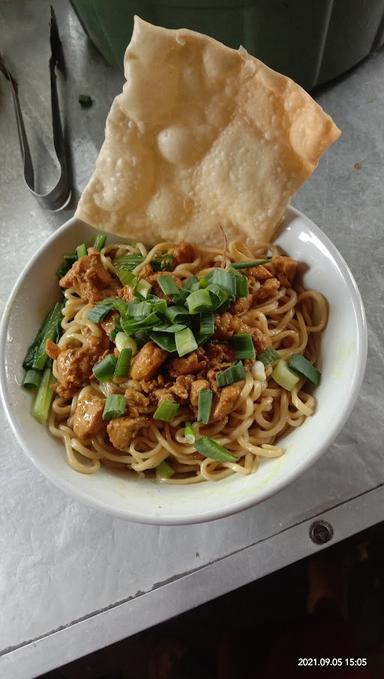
(293, 319)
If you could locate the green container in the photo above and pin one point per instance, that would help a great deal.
(312, 41)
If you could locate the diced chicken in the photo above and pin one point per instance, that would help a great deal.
(227, 325)
(126, 293)
(146, 271)
(219, 354)
(52, 349)
(266, 291)
(108, 323)
(259, 273)
(88, 414)
(285, 269)
(178, 390)
(138, 403)
(183, 252)
(149, 386)
(74, 368)
(122, 430)
(196, 388)
(190, 364)
(147, 362)
(226, 401)
(89, 278)
(241, 305)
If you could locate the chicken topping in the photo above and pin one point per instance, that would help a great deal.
(147, 362)
(108, 323)
(122, 430)
(196, 388)
(138, 403)
(227, 325)
(225, 401)
(183, 252)
(74, 369)
(126, 293)
(259, 273)
(267, 290)
(190, 364)
(241, 305)
(89, 279)
(285, 269)
(88, 418)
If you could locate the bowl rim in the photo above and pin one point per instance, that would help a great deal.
(235, 506)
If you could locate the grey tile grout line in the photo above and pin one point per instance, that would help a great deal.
(176, 578)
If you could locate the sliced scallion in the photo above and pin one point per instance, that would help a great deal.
(128, 262)
(168, 285)
(200, 300)
(104, 370)
(241, 285)
(218, 295)
(207, 323)
(81, 250)
(243, 346)
(163, 262)
(166, 410)
(189, 433)
(191, 283)
(100, 241)
(268, 356)
(164, 470)
(139, 309)
(225, 280)
(175, 327)
(115, 406)
(123, 363)
(210, 448)
(100, 311)
(143, 288)
(304, 368)
(164, 340)
(185, 341)
(204, 405)
(284, 376)
(176, 314)
(44, 396)
(247, 265)
(235, 373)
(122, 341)
(32, 379)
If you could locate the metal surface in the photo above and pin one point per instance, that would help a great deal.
(66, 567)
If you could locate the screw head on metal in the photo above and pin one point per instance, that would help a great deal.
(320, 532)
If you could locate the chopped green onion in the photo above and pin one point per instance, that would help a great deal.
(203, 283)
(130, 326)
(175, 327)
(181, 296)
(168, 285)
(118, 304)
(164, 341)
(166, 410)
(284, 376)
(115, 406)
(189, 433)
(139, 309)
(122, 341)
(32, 379)
(241, 285)
(247, 265)
(128, 262)
(191, 283)
(142, 336)
(69, 259)
(159, 306)
(185, 341)
(52, 332)
(163, 262)
(207, 323)
(200, 300)
(126, 277)
(218, 295)
(225, 280)
(143, 288)
(100, 241)
(164, 470)
(243, 346)
(210, 448)
(104, 370)
(233, 374)
(44, 396)
(304, 368)
(204, 405)
(123, 363)
(81, 250)
(176, 314)
(100, 311)
(268, 356)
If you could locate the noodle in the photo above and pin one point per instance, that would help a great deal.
(292, 319)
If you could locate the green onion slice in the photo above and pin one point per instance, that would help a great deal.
(243, 346)
(81, 250)
(207, 323)
(225, 280)
(176, 314)
(164, 340)
(189, 433)
(233, 374)
(247, 265)
(168, 285)
(100, 241)
(164, 470)
(166, 410)
(218, 295)
(128, 262)
(143, 288)
(210, 448)
(139, 309)
(104, 371)
(204, 405)
(163, 262)
(115, 406)
(200, 300)
(304, 368)
(191, 283)
(268, 356)
(100, 311)
(284, 376)
(185, 341)
(123, 363)
(32, 379)
(241, 285)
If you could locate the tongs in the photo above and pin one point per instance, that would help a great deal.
(60, 194)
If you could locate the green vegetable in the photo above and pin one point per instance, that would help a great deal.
(30, 355)
(143, 288)
(164, 341)
(191, 283)
(218, 295)
(284, 376)
(104, 371)
(189, 433)
(115, 406)
(203, 283)
(303, 368)
(163, 262)
(32, 379)
(185, 341)
(176, 314)
(233, 374)
(243, 346)
(175, 327)
(100, 241)
(210, 448)
(126, 276)
(81, 250)
(52, 331)
(164, 470)
(247, 265)
(100, 310)
(166, 410)
(268, 356)
(159, 306)
(44, 396)
(241, 285)
(130, 326)
(122, 341)
(207, 323)
(200, 300)
(128, 262)
(225, 280)
(68, 261)
(204, 405)
(85, 100)
(139, 309)
(123, 363)
(168, 285)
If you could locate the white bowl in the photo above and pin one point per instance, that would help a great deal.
(344, 350)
